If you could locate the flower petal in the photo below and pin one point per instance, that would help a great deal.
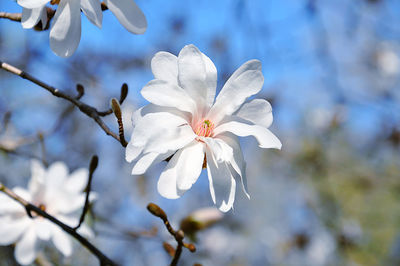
(32, 3)
(65, 33)
(56, 175)
(92, 10)
(31, 16)
(9, 206)
(165, 67)
(237, 162)
(258, 111)
(189, 165)
(265, 138)
(62, 241)
(182, 171)
(26, 249)
(42, 228)
(161, 132)
(197, 75)
(23, 193)
(234, 93)
(132, 152)
(163, 93)
(128, 14)
(77, 181)
(11, 229)
(253, 64)
(148, 160)
(221, 182)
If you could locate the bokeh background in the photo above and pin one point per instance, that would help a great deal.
(331, 196)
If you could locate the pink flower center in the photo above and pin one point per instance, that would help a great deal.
(205, 128)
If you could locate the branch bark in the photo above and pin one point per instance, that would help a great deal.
(84, 108)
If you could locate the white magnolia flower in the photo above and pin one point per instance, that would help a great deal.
(65, 33)
(54, 191)
(184, 121)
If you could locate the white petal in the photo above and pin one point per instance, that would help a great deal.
(59, 201)
(167, 94)
(237, 162)
(148, 160)
(264, 137)
(165, 67)
(30, 17)
(25, 249)
(32, 3)
(9, 206)
(258, 111)
(232, 96)
(77, 181)
(65, 33)
(245, 82)
(56, 174)
(182, 171)
(23, 193)
(92, 10)
(161, 132)
(197, 75)
(11, 229)
(128, 14)
(132, 152)
(189, 165)
(222, 184)
(62, 241)
(249, 65)
(42, 228)
(37, 173)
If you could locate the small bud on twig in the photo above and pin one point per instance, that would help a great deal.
(116, 108)
(81, 91)
(156, 211)
(93, 164)
(124, 93)
(169, 249)
(190, 247)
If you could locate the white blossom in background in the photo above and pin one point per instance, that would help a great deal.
(65, 32)
(59, 194)
(183, 121)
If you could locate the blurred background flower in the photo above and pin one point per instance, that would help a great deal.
(330, 197)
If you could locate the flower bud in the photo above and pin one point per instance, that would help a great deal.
(156, 211)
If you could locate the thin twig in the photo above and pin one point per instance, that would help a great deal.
(11, 16)
(103, 259)
(178, 235)
(93, 165)
(84, 108)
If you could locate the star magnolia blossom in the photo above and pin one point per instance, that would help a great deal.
(184, 121)
(54, 191)
(65, 32)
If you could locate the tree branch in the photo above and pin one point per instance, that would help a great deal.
(11, 16)
(103, 259)
(93, 165)
(178, 235)
(84, 108)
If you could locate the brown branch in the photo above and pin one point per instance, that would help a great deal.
(84, 108)
(178, 235)
(103, 259)
(11, 16)
(93, 165)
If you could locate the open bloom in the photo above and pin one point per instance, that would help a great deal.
(53, 190)
(184, 122)
(65, 33)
